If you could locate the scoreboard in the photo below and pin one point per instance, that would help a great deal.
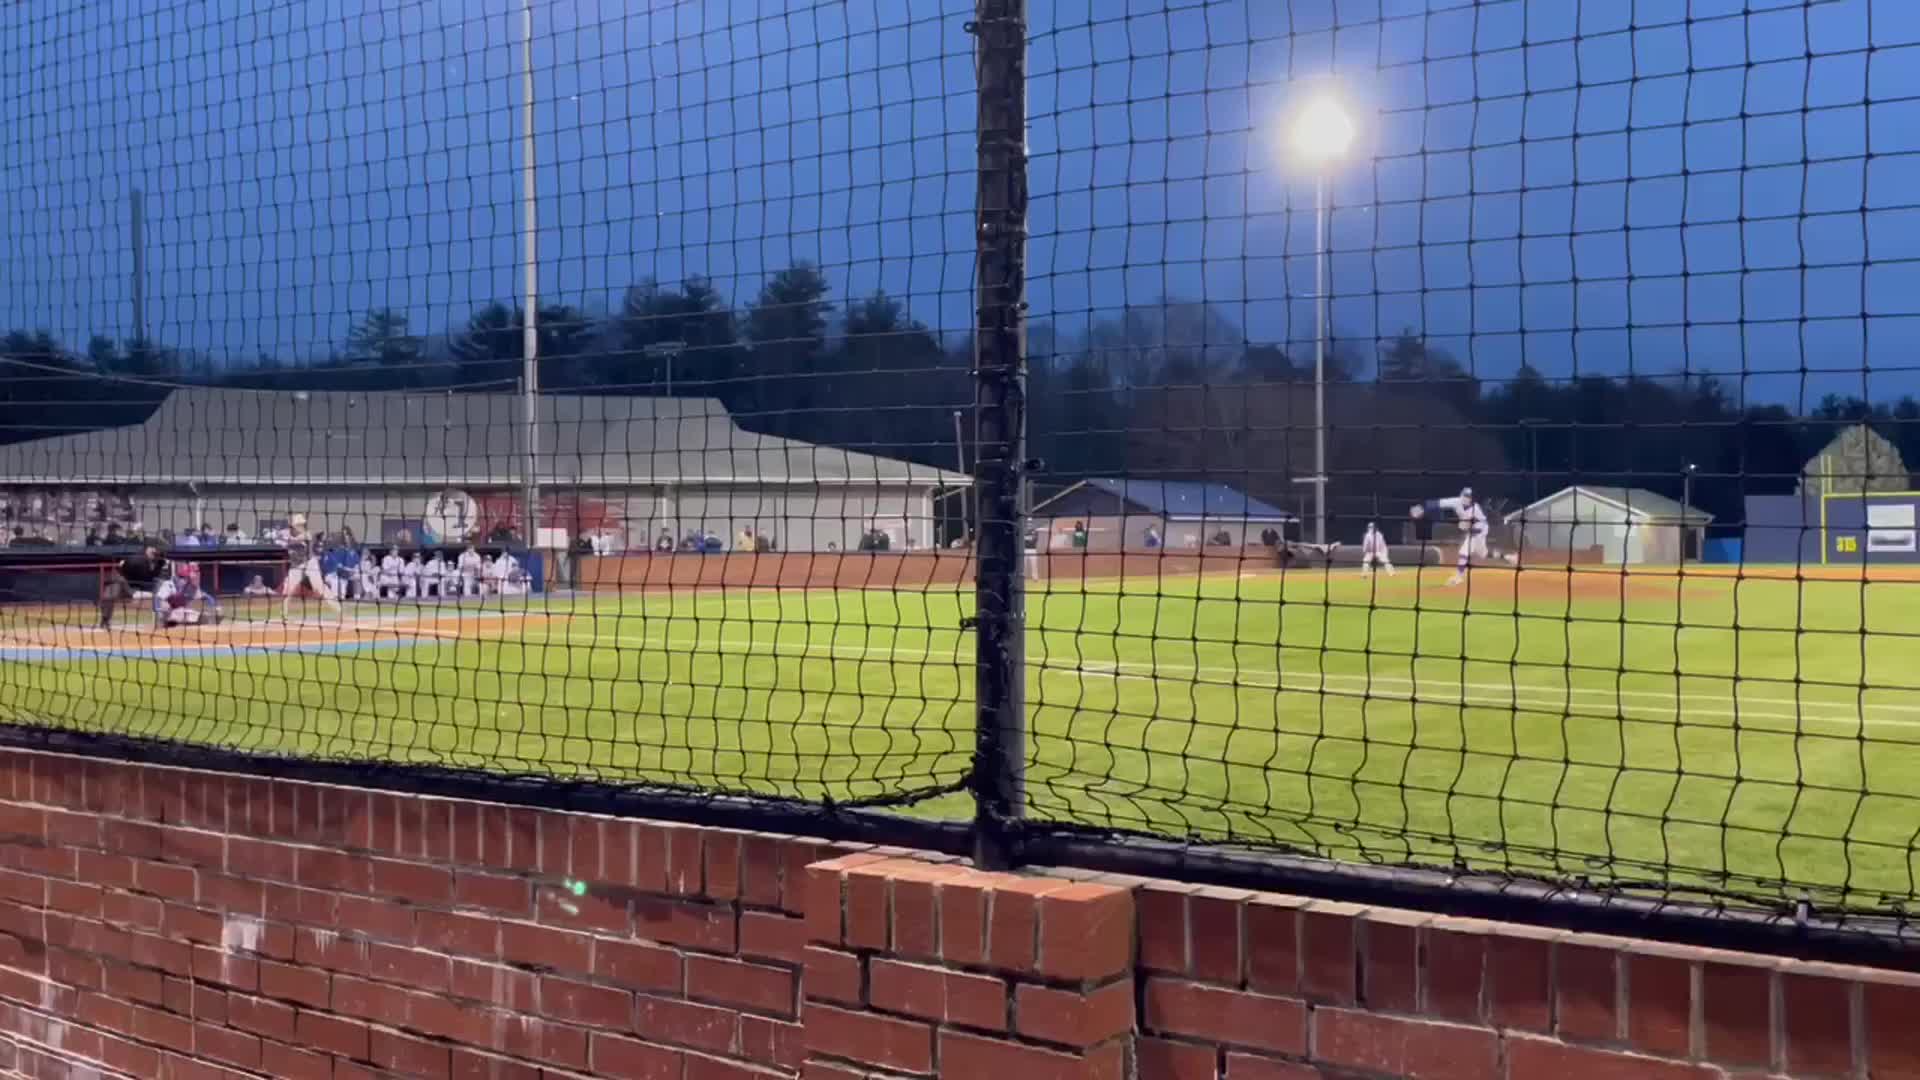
(1874, 526)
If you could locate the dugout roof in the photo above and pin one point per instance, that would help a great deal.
(1641, 506)
(245, 437)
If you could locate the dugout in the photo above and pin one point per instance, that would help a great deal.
(435, 468)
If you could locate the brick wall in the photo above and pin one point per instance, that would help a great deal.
(157, 923)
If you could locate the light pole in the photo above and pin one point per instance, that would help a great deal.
(1321, 135)
(530, 321)
(1686, 507)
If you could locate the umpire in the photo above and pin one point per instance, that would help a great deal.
(140, 573)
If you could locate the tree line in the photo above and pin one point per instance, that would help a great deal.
(1173, 390)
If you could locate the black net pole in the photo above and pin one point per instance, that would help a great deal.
(1000, 751)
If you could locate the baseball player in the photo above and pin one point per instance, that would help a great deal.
(180, 601)
(433, 576)
(391, 566)
(470, 565)
(1373, 552)
(132, 577)
(303, 569)
(410, 577)
(1473, 529)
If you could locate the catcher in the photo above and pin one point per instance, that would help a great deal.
(180, 601)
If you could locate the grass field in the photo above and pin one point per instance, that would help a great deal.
(1760, 735)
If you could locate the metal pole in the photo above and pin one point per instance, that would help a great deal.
(530, 322)
(1320, 276)
(1533, 455)
(959, 444)
(999, 762)
(1686, 510)
(138, 209)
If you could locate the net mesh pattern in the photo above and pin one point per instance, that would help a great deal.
(1465, 435)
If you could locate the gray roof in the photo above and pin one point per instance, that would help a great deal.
(1639, 503)
(300, 437)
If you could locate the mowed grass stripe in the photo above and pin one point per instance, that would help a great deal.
(1696, 730)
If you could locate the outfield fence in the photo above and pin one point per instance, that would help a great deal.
(1272, 444)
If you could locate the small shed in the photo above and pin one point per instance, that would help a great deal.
(1184, 514)
(1609, 525)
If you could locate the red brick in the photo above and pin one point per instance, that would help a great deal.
(1013, 920)
(972, 1056)
(867, 904)
(1273, 946)
(1893, 1012)
(132, 1058)
(1074, 1018)
(495, 892)
(459, 935)
(772, 1042)
(1249, 1067)
(587, 838)
(334, 871)
(722, 865)
(169, 882)
(289, 982)
(261, 859)
(1519, 986)
(1454, 968)
(963, 921)
(769, 935)
(130, 911)
(825, 905)
(832, 975)
(1214, 930)
(583, 1003)
(700, 1067)
(551, 1044)
(260, 1016)
(1163, 928)
(494, 984)
(1328, 940)
(367, 1000)
(225, 1044)
(630, 1059)
(1174, 1007)
(546, 948)
(410, 1056)
(1738, 1014)
(1086, 932)
(294, 1063)
(1529, 1057)
(875, 1040)
(703, 1027)
(1390, 977)
(1418, 1049)
(741, 984)
(1819, 1025)
(636, 964)
(932, 993)
(914, 918)
(416, 883)
(477, 1065)
(691, 925)
(1660, 1005)
(761, 860)
(1161, 1059)
(1586, 979)
(831, 1070)
(416, 969)
(331, 950)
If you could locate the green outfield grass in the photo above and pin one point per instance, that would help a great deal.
(1747, 732)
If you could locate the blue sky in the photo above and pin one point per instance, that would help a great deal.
(1593, 185)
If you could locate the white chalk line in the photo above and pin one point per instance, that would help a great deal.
(1363, 686)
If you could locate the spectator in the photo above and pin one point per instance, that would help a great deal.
(208, 538)
(503, 534)
(745, 540)
(1223, 538)
(664, 544)
(1080, 536)
(762, 543)
(93, 536)
(188, 539)
(114, 537)
(234, 537)
(1270, 536)
(693, 541)
(258, 587)
(713, 543)
(1152, 537)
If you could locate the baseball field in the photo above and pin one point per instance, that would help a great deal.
(1758, 733)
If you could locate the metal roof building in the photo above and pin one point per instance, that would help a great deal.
(1610, 524)
(380, 462)
(1185, 514)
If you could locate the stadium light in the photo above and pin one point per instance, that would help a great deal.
(1322, 134)
(1323, 131)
